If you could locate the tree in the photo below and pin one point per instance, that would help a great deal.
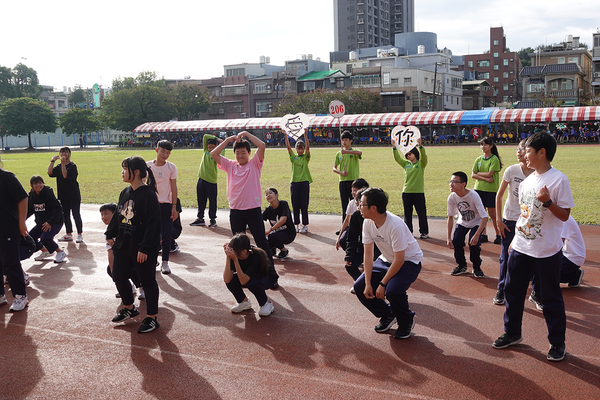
(356, 100)
(25, 81)
(79, 121)
(7, 89)
(77, 97)
(133, 102)
(523, 54)
(24, 115)
(189, 101)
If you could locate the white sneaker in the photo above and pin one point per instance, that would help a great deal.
(3, 300)
(304, 229)
(141, 294)
(297, 228)
(164, 268)
(19, 303)
(66, 238)
(26, 277)
(43, 255)
(239, 307)
(133, 289)
(60, 256)
(266, 309)
(79, 239)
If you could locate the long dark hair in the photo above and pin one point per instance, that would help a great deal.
(137, 163)
(494, 150)
(240, 241)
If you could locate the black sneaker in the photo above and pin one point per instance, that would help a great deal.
(557, 352)
(483, 238)
(213, 224)
(506, 340)
(478, 273)
(385, 324)
(498, 239)
(576, 282)
(535, 300)
(198, 222)
(459, 270)
(148, 325)
(125, 313)
(499, 298)
(274, 285)
(283, 253)
(404, 332)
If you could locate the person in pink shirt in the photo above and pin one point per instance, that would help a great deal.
(244, 192)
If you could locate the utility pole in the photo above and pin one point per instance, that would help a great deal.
(435, 85)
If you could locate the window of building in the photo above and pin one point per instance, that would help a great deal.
(238, 108)
(505, 86)
(339, 83)
(470, 64)
(495, 55)
(263, 106)
(495, 42)
(358, 81)
(534, 88)
(554, 85)
(574, 60)
(496, 67)
(348, 68)
(483, 63)
(505, 74)
(236, 72)
(561, 60)
(505, 99)
(484, 75)
(496, 79)
(505, 61)
(566, 84)
(309, 86)
(407, 81)
(394, 81)
(287, 86)
(260, 88)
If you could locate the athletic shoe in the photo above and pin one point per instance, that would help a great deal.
(66, 238)
(304, 229)
(243, 306)
(141, 294)
(385, 323)
(404, 333)
(60, 256)
(499, 298)
(506, 340)
(79, 239)
(164, 268)
(43, 255)
(125, 313)
(283, 253)
(3, 300)
(478, 273)
(337, 233)
(535, 300)
(174, 248)
(19, 303)
(577, 281)
(213, 224)
(424, 236)
(498, 239)
(459, 270)
(267, 309)
(198, 222)
(557, 352)
(352, 289)
(274, 285)
(483, 238)
(297, 228)
(148, 325)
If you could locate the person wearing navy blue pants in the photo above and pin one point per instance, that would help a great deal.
(458, 241)
(520, 269)
(506, 240)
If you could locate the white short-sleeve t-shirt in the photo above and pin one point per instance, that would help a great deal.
(392, 237)
(573, 243)
(469, 209)
(513, 175)
(163, 176)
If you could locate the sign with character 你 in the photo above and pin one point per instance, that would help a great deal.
(405, 138)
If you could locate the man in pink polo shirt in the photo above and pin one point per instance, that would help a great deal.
(244, 192)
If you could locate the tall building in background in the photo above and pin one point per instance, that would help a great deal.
(360, 24)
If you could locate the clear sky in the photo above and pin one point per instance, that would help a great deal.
(77, 42)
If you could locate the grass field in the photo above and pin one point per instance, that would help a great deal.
(100, 174)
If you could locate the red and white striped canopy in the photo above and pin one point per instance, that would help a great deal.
(433, 118)
(554, 114)
(324, 121)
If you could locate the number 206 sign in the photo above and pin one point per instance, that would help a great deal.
(337, 109)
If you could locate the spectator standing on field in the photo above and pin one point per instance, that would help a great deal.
(206, 188)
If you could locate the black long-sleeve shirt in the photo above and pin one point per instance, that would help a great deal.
(136, 224)
(354, 238)
(45, 206)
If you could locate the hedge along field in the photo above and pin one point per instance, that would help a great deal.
(100, 174)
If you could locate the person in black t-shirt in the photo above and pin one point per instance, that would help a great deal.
(247, 266)
(282, 230)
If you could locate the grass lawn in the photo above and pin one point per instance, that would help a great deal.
(100, 174)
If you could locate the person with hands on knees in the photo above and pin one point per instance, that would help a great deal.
(390, 275)
(282, 230)
(247, 266)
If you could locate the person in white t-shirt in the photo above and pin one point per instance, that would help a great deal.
(390, 275)
(573, 253)
(512, 178)
(165, 174)
(472, 219)
(545, 200)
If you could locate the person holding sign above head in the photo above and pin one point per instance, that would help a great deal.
(301, 180)
(413, 193)
(347, 167)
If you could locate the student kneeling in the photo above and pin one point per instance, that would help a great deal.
(394, 271)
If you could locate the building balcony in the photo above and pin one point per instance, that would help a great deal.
(560, 94)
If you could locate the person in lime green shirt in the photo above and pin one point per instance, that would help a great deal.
(206, 188)
(413, 193)
(486, 172)
(347, 167)
(301, 180)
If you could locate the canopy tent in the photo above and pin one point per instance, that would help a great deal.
(470, 117)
